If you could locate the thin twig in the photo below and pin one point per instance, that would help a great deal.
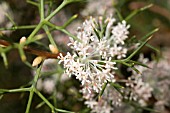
(31, 50)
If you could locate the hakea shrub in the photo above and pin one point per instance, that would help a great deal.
(100, 43)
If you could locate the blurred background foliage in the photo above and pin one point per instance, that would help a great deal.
(18, 74)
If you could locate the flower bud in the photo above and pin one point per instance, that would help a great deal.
(22, 40)
(53, 49)
(37, 61)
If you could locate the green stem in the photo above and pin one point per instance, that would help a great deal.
(50, 105)
(28, 64)
(54, 98)
(50, 7)
(137, 11)
(63, 30)
(45, 100)
(69, 21)
(19, 27)
(52, 25)
(6, 49)
(56, 10)
(35, 30)
(46, 19)
(14, 90)
(49, 35)
(148, 34)
(21, 52)
(41, 9)
(138, 49)
(32, 89)
(10, 19)
(46, 27)
(29, 101)
(33, 3)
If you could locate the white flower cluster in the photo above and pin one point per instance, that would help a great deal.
(159, 79)
(99, 42)
(136, 88)
(111, 98)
